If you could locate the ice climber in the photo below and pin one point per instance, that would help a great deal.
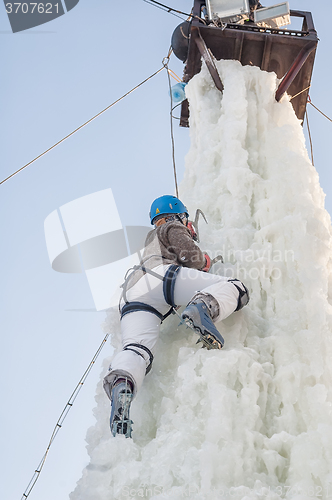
(173, 271)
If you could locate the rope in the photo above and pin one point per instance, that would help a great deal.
(164, 10)
(165, 63)
(81, 126)
(321, 112)
(174, 75)
(183, 33)
(176, 117)
(299, 93)
(62, 418)
(311, 147)
(170, 10)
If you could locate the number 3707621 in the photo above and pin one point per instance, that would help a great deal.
(31, 8)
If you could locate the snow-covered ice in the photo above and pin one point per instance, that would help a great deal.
(254, 420)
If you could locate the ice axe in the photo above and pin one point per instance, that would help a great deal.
(216, 259)
(193, 225)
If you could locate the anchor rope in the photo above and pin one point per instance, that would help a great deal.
(81, 126)
(169, 73)
(174, 75)
(170, 10)
(321, 112)
(299, 93)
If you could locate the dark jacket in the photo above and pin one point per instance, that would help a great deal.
(170, 243)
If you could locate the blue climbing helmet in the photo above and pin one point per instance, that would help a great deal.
(167, 204)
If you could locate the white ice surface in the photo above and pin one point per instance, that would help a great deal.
(254, 420)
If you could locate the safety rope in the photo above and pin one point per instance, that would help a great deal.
(307, 119)
(61, 419)
(164, 10)
(81, 126)
(170, 10)
(174, 75)
(309, 134)
(165, 64)
(174, 107)
(299, 93)
(321, 112)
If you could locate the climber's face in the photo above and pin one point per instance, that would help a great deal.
(172, 217)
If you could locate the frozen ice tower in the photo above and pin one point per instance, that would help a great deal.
(253, 420)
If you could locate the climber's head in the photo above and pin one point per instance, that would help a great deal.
(166, 208)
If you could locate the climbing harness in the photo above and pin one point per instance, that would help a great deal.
(136, 306)
(169, 284)
(129, 307)
(169, 278)
(168, 290)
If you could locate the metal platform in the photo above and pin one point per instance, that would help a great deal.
(289, 53)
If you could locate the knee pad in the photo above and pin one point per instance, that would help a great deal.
(243, 294)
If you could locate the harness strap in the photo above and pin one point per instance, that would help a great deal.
(168, 290)
(139, 306)
(146, 270)
(169, 284)
(169, 312)
(134, 350)
(242, 293)
(144, 348)
(140, 267)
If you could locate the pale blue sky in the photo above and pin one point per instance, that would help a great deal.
(54, 78)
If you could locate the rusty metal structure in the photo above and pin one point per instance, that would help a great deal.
(289, 53)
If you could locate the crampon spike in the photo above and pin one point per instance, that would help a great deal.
(120, 422)
(206, 338)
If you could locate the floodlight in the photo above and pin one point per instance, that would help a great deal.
(279, 13)
(227, 8)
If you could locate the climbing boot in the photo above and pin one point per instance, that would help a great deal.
(197, 316)
(121, 397)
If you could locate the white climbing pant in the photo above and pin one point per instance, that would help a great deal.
(142, 327)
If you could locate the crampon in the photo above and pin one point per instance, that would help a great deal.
(122, 396)
(197, 318)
